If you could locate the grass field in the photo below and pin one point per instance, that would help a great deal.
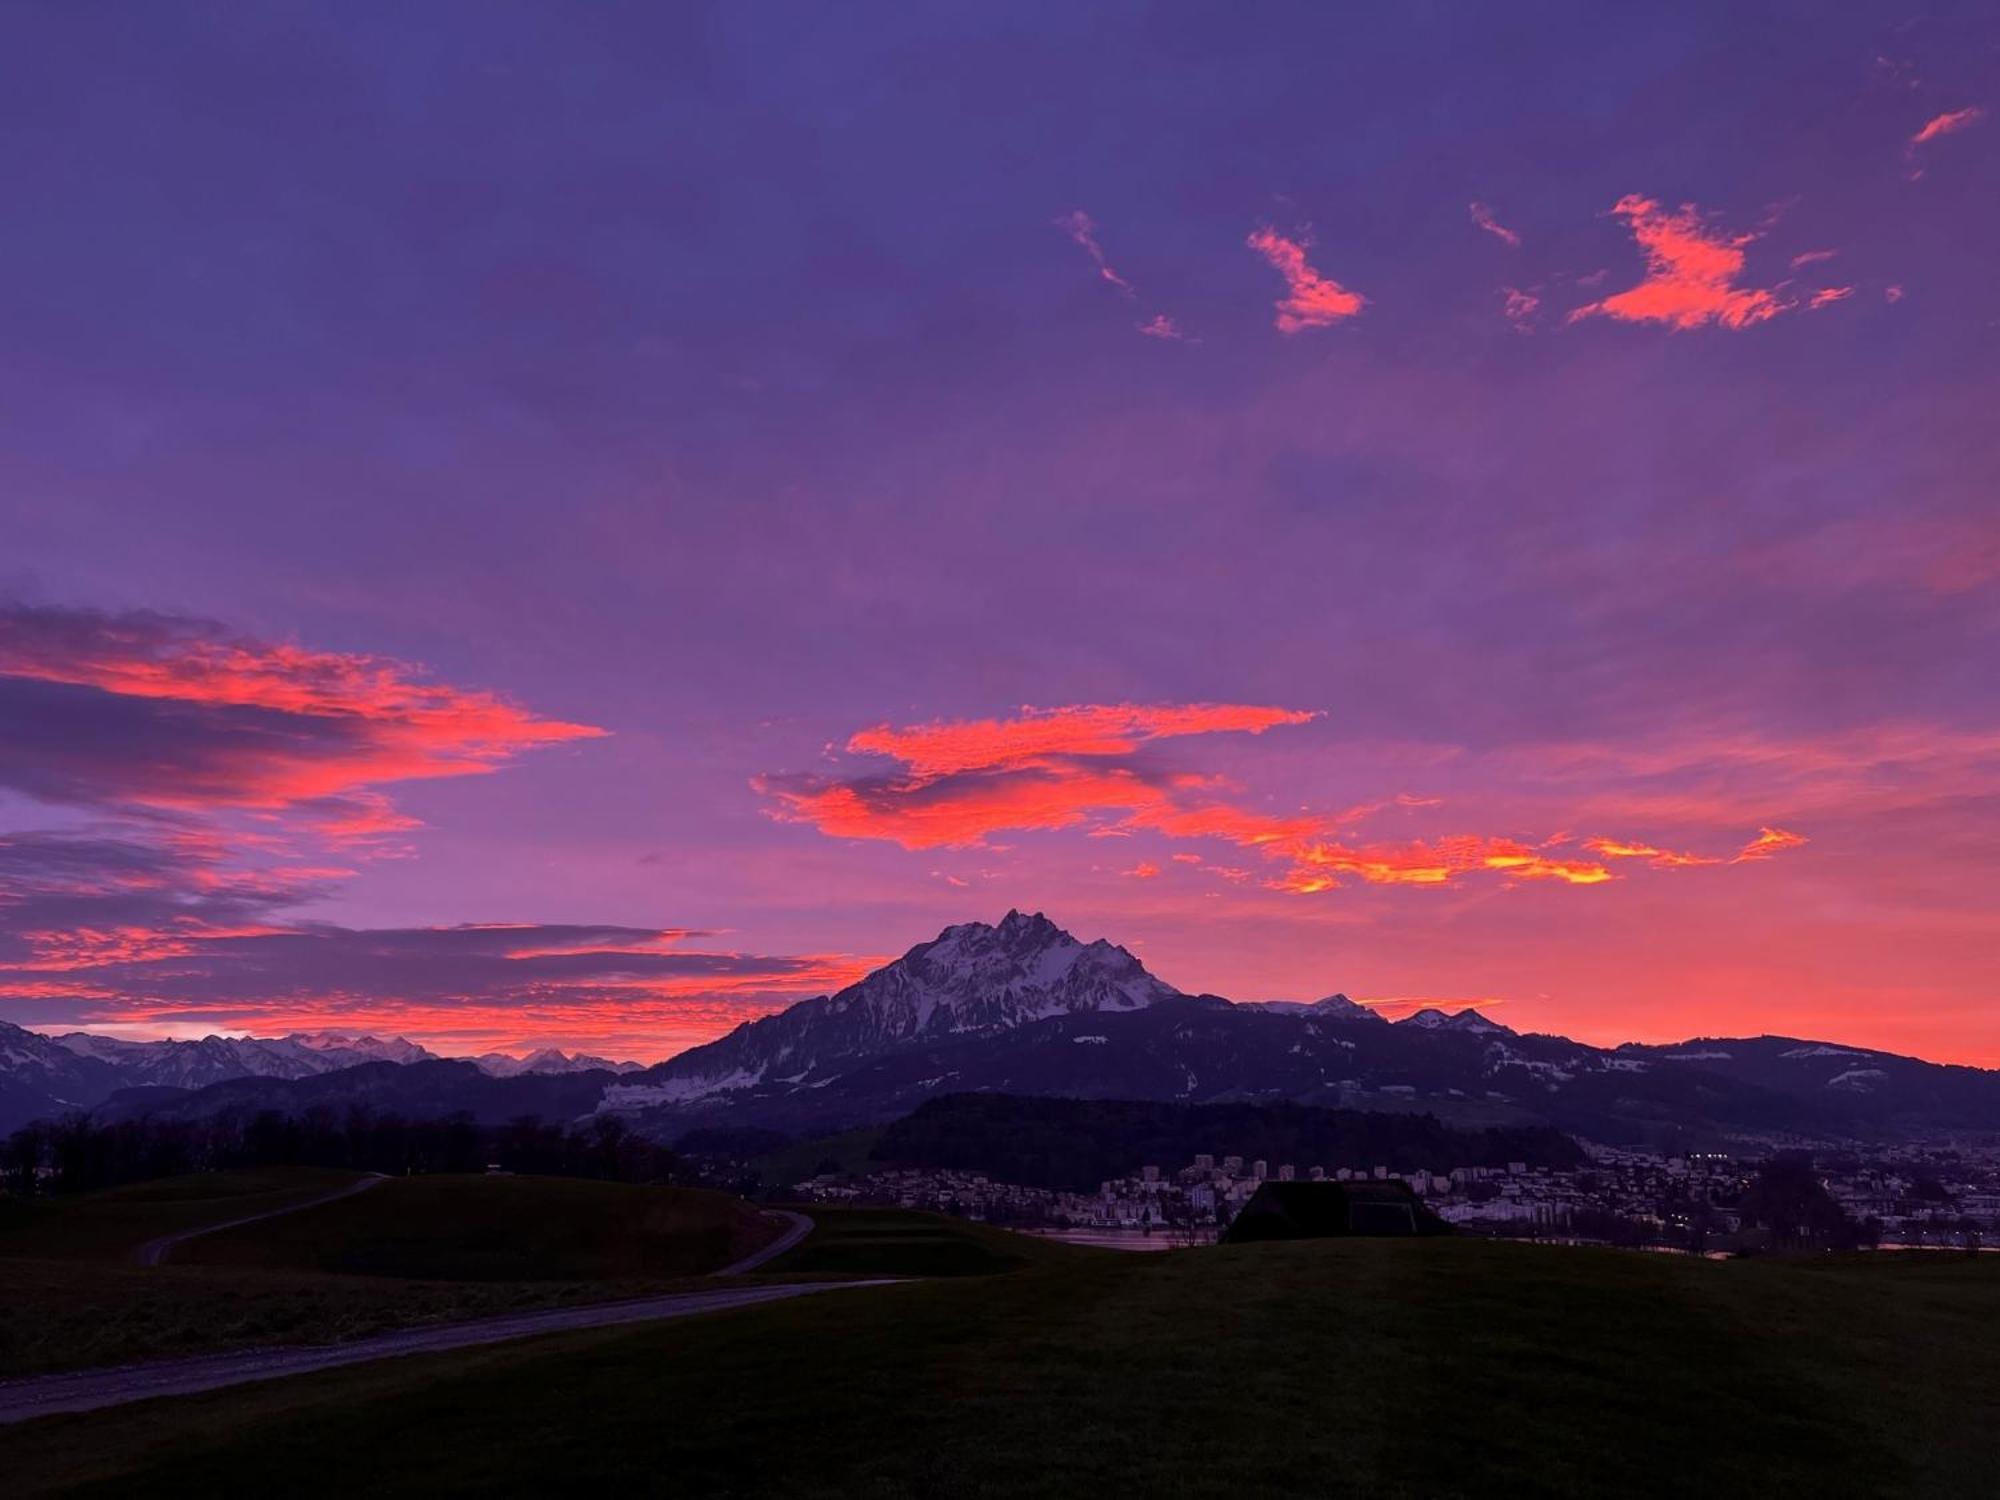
(496, 1228)
(409, 1252)
(113, 1223)
(1434, 1368)
(907, 1242)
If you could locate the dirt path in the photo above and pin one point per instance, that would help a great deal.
(155, 1251)
(87, 1390)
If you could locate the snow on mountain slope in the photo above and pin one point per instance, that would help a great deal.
(549, 1060)
(214, 1059)
(1470, 1021)
(972, 978)
(1333, 1007)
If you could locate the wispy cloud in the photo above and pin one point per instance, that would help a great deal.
(1769, 841)
(1311, 300)
(1949, 123)
(99, 929)
(1826, 296)
(1079, 226)
(1483, 217)
(1692, 272)
(1520, 308)
(1082, 229)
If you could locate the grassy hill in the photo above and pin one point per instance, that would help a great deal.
(112, 1224)
(1435, 1368)
(410, 1252)
(481, 1228)
(909, 1242)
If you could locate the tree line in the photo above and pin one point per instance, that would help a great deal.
(76, 1154)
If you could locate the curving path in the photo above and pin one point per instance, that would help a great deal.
(798, 1226)
(154, 1251)
(88, 1390)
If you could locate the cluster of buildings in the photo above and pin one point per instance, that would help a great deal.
(1908, 1196)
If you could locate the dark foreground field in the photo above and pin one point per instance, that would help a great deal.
(409, 1252)
(1365, 1367)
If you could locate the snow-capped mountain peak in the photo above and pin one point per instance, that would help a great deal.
(548, 1060)
(1430, 1018)
(212, 1059)
(972, 977)
(1333, 1008)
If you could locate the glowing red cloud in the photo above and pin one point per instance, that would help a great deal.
(229, 722)
(1691, 273)
(1311, 300)
(1949, 123)
(1072, 768)
(941, 749)
(960, 812)
(1828, 295)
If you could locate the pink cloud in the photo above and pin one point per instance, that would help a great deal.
(940, 748)
(1949, 123)
(1079, 227)
(1691, 273)
(1827, 296)
(1520, 308)
(1311, 299)
(1483, 217)
(1160, 326)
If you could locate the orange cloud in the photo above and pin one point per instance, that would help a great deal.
(1483, 217)
(1315, 866)
(1144, 870)
(1663, 858)
(1827, 296)
(1691, 273)
(1949, 123)
(1311, 300)
(1769, 841)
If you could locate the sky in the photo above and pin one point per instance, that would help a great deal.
(534, 524)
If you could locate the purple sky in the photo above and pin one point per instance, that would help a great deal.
(1578, 421)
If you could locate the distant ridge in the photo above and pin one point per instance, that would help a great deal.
(1022, 1007)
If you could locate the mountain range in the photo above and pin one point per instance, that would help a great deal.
(1022, 1007)
(79, 1070)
